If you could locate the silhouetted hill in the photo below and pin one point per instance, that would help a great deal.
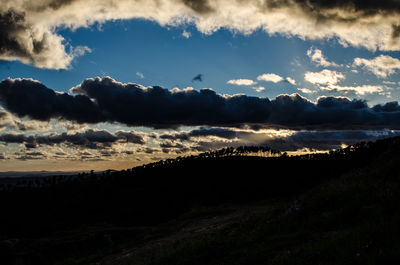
(336, 208)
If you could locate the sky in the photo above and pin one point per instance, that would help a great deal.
(104, 84)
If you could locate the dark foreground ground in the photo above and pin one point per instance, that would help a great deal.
(219, 208)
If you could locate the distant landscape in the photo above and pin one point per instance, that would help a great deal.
(222, 207)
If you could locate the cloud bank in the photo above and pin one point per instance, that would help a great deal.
(29, 29)
(207, 138)
(91, 139)
(106, 100)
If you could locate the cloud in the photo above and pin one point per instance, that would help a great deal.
(387, 107)
(359, 90)
(389, 83)
(325, 140)
(275, 78)
(27, 97)
(32, 156)
(140, 75)
(290, 81)
(31, 43)
(8, 121)
(306, 90)
(5, 119)
(201, 132)
(241, 82)
(30, 125)
(259, 88)
(382, 66)
(325, 77)
(92, 139)
(106, 100)
(178, 148)
(204, 138)
(29, 30)
(328, 80)
(317, 57)
(186, 34)
(3, 156)
(270, 78)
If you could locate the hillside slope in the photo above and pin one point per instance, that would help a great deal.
(338, 208)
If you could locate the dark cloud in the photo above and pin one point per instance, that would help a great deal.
(325, 140)
(31, 156)
(56, 4)
(89, 139)
(130, 137)
(198, 77)
(387, 107)
(202, 132)
(12, 24)
(395, 31)
(26, 97)
(108, 153)
(148, 150)
(366, 7)
(321, 9)
(169, 145)
(199, 6)
(312, 140)
(20, 39)
(330, 11)
(106, 100)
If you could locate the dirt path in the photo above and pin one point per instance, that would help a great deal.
(184, 229)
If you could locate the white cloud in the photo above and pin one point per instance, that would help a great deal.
(389, 83)
(306, 90)
(140, 75)
(328, 80)
(325, 77)
(359, 90)
(381, 66)
(186, 34)
(259, 88)
(317, 57)
(270, 78)
(275, 78)
(80, 50)
(241, 82)
(7, 120)
(38, 42)
(291, 81)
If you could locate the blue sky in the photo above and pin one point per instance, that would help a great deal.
(347, 56)
(123, 48)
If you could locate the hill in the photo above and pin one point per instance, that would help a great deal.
(223, 207)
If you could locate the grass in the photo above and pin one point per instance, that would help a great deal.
(353, 219)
